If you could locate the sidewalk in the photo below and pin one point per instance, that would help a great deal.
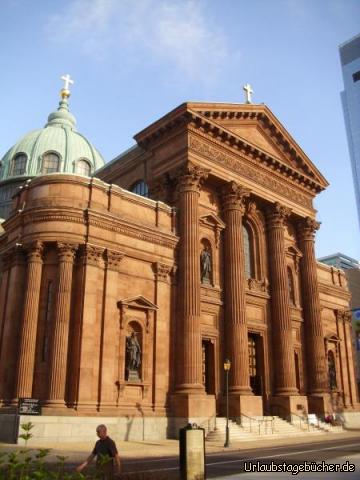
(76, 452)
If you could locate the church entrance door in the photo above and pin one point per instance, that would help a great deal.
(256, 363)
(208, 370)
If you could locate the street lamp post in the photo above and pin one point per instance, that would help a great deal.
(227, 366)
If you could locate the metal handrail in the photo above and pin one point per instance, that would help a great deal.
(206, 423)
(303, 420)
(259, 422)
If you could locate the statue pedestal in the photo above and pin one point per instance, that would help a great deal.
(133, 376)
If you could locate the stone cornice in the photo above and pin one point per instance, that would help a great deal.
(142, 232)
(263, 115)
(203, 117)
(334, 291)
(100, 219)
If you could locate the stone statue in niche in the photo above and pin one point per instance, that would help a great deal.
(205, 265)
(332, 372)
(133, 357)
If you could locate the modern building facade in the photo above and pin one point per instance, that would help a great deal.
(350, 97)
(351, 268)
(340, 260)
(121, 296)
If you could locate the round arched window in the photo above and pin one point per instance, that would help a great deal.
(140, 188)
(83, 167)
(51, 163)
(19, 164)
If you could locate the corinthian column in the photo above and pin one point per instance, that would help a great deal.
(190, 179)
(283, 350)
(25, 372)
(315, 350)
(59, 351)
(235, 305)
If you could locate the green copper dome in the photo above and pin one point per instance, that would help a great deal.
(57, 147)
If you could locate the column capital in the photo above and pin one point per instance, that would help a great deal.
(191, 177)
(344, 315)
(161, 271)
(66, 251)
(92, 255)
(307, 227)
(113, 259)
(277, 215)
(234, 195)
(35, 251)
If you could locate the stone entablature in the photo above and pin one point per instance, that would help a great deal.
(93, 206)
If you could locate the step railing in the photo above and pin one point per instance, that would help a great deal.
(301, 419)
(209, 424)
(266, 423)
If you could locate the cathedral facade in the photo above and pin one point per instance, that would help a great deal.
(123, 293)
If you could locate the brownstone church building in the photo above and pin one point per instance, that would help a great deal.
(125, 288)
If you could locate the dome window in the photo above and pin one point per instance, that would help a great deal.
(83, 167)
(51, 163)
(19, 164)
(140, 188)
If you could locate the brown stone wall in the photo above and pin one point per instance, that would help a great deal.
(100, 246)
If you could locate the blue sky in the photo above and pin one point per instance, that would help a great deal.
(134, 60)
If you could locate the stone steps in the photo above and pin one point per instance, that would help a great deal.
(269, 427)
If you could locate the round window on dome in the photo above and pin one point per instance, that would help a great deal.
(83, 167)
(19, 164)
(50, 163)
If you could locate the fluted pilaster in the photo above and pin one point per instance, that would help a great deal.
(315, 351)
(25, 373)
(59, 351)
(283, 350)
(235, 303)
(189, 339)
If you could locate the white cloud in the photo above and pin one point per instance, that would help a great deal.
(176, 33)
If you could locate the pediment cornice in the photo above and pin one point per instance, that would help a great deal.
(138, 302)
(207, 117)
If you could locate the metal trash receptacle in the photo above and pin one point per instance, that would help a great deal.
(192, 452)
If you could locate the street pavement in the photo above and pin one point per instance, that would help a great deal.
(161, 458)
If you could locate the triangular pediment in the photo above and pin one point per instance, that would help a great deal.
(259, 129)
(139, 302)
(332, 338)
(212, 220)
(254, 135)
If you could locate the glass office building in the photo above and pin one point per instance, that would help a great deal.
(350, 97)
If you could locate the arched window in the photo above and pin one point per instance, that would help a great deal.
(140, 188)
(332, 371)
(19, 164)
(248, 253)
(291, 286)
(51, 163)
(83, 167)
